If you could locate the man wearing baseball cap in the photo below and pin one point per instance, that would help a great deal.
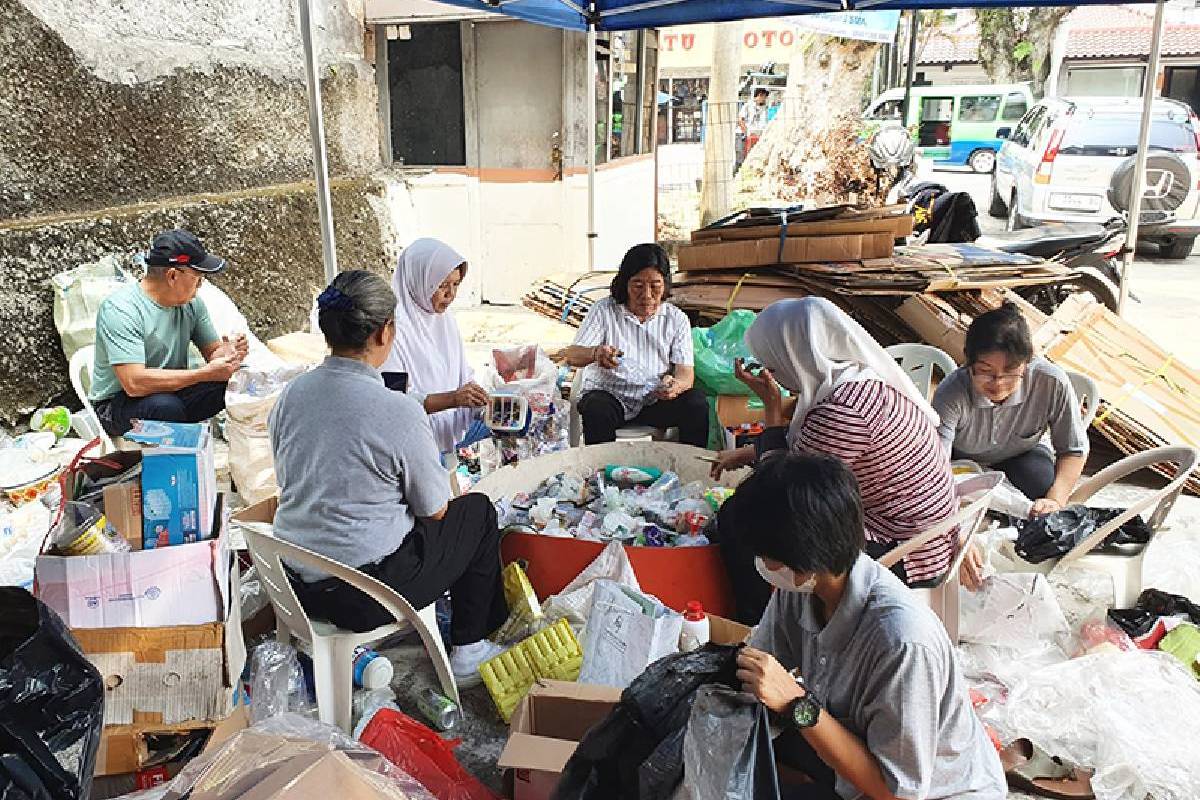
(142, 336)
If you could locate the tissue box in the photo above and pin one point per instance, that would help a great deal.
(179, 482)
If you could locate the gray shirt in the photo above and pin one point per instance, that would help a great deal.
(884, 667)
(355, 462)
(975, 428)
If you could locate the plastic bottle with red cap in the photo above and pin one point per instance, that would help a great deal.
(695, 632)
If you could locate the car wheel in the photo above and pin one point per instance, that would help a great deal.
(982, 161)
(996, 207)
(1014, 222)
(1179, 248)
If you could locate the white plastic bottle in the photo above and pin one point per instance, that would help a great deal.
(695, 632)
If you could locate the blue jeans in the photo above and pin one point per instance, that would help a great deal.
(194, 404)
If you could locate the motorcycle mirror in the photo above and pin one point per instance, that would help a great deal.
(1003, 133)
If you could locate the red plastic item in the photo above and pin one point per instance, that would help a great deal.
(424, 755)
(693, 611)
(150, 777)
(674, 575)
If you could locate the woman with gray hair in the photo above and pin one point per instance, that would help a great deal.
(361, 482)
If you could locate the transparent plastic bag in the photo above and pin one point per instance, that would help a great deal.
(276, 682)
(1010, 610)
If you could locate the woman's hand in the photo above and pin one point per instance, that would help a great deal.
(731, 460)
(970, 573)
(762, 384)
(605, 356)
(1047, 505)
(470, 395)
(765, 678)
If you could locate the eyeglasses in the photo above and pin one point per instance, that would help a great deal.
(1004, 378)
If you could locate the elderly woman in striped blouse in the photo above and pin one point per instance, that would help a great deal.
(854, 403)
(636, 351)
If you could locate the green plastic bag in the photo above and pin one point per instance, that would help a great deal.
(715, 350)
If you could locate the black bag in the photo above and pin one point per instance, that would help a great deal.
(1054, 535)
(51, 705)
(1152, 604)
(637, 752)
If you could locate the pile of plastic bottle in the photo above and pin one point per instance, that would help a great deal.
(634, 505)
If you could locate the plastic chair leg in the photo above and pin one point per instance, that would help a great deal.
(333, 665)
(427, 628)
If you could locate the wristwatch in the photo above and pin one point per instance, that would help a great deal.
(804, 711)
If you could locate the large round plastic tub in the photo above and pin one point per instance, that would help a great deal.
(674, 575)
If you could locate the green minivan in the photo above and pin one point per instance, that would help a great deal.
(957, 125)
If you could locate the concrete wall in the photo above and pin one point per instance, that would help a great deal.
(119, 119)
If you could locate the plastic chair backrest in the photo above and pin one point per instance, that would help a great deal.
(918, 362)
(974, 494)
(1088, 395)
(80, 373)
(1163, 499)
(269, 551)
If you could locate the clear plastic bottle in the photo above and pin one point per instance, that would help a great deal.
(695, 633)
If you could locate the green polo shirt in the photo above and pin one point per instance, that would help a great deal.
(133, 329)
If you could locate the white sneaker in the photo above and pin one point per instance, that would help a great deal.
(465, 660)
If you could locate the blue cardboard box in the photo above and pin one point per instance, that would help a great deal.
(179, 482)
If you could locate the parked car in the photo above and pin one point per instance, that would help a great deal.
(956, 125)
(1062, 160)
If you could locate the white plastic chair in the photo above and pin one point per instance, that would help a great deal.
(1125, 569)
(974, 494)
(628, 433)
(332, 647)
(86, 423)
(1088, 395)
(918, 362)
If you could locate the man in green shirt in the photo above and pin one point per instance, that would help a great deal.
(142, 337)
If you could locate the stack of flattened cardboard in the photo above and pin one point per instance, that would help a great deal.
(1147, 397)
(567, 298)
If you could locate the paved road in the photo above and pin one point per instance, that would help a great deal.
(1164, 292)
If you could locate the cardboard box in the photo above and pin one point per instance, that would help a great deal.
(546, 727)
(935, 323)
(127, 749)
(123, 508)
(797, 250)
(167, 676)
(152, 588)
(179, 482)
(726, 631)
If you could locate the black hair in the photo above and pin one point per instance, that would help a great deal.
(353, 307)
(762, 91)
(638, 258)
(803, 511)
(1001, 330)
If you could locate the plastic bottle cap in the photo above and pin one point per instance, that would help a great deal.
(377, 674)
(693, 611)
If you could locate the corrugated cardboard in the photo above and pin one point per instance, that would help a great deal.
(167, 676)
(179, 585)
(726, 631)
(123, 508)
(936, 324)
(797, 250)
(898, 225)
(546, 728)
(125, 749)
(179, 483)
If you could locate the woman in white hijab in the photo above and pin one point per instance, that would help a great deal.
(853, 402)
(428, 346)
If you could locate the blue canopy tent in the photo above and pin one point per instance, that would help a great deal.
(612, 15)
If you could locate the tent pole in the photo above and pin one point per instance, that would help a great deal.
(590, 94)
(1149, 86)
(316, 131)
(913, 24)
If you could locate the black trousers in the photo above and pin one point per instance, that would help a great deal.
(460, 552)
(602, 414)
(194, 403)
(1032, 472)
(793, 751)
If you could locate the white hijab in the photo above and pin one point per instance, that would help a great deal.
(813, 347)
(428, 345)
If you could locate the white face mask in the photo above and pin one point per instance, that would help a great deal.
(784, 578)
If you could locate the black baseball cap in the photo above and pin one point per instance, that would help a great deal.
(180, 248)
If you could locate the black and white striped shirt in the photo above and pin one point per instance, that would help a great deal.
(651, 348)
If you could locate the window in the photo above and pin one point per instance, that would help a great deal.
(1022, 135)
(1104, 82)
(982, 108)
(1117, 135)
(683, 109)
(888, 109)
(1014, 107)
(425, 82)
(624, 76)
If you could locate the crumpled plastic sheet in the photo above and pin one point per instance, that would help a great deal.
(254, 597)
(574, 602)
(1129, 716)
(1010, 610)
(727, 749)
(276, 682)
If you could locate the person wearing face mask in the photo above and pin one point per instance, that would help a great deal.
(428, 346)
(857, 669)
(852, 402)
(361, 482)
(636, 352)
(997, 409)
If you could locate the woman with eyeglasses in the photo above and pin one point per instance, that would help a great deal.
(997, 409)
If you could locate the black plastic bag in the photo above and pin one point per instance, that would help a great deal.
(1054, 535)
(51, 705)
(637, 752)
(1152, 604)
(728, 751)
